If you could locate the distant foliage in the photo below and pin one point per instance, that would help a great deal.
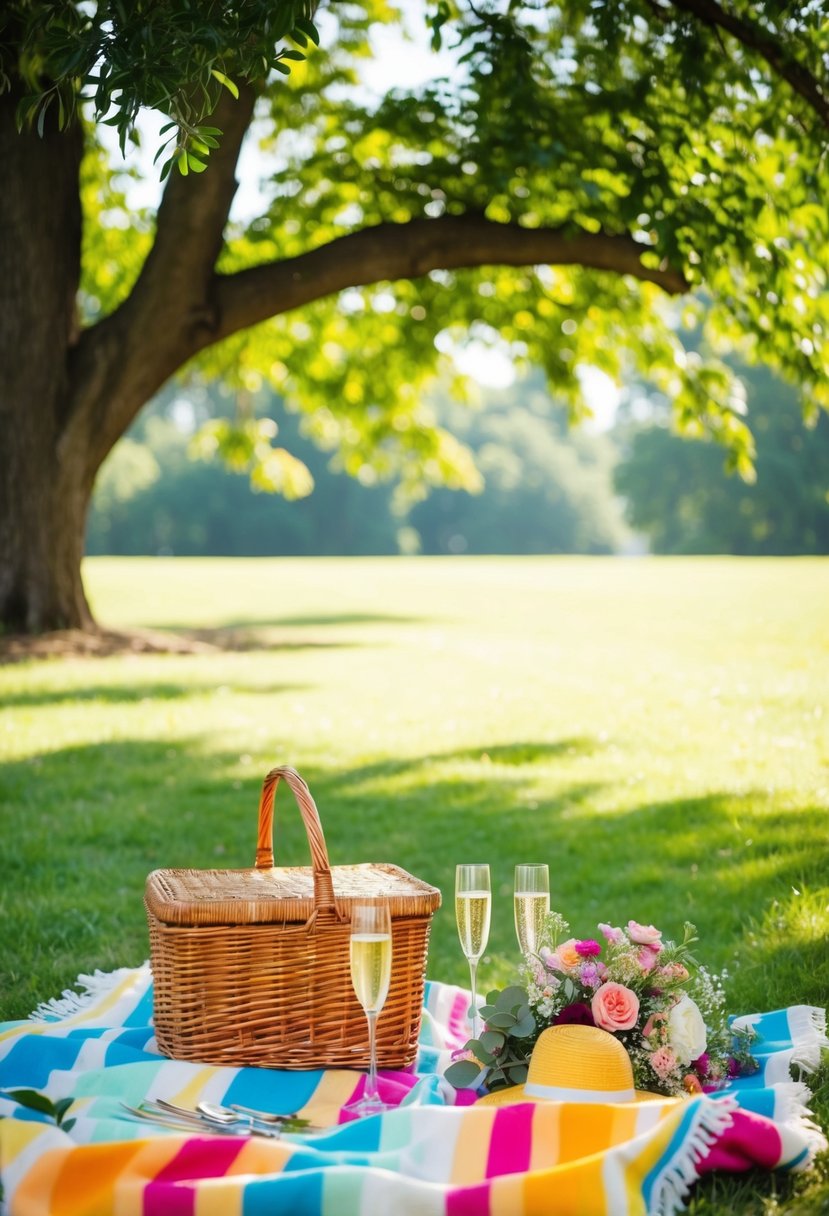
(678, 494)
(543, 489)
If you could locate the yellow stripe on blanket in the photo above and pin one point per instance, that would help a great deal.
(335, 1088)
(469, 1165)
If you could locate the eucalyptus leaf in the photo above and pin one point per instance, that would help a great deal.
(492, 1040)
(524, 1028)
(463, 1074)
(501, 1021)
(510, 997)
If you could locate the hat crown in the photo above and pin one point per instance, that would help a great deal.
(577, 1057)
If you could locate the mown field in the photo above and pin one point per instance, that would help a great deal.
(657, 730)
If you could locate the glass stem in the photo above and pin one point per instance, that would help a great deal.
(370, 1091)
(473, 975)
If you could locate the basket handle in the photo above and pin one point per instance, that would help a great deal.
(323, 885)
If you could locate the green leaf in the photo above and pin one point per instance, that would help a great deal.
(463, 1074)
(183, 166)
(290, 53)
(510, 997)
(61, 1107)
(198, 166)
(492, 1040)
(502, 1021)
(518, 1073)
(68, 1124)
(225, 81)
(282, 67)
(524, 1028)
(308, 28)
(32, 1100)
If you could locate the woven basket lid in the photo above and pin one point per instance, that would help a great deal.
(280, 894)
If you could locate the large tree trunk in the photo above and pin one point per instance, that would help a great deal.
(44, 490)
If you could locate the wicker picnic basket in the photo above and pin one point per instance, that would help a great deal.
(252, 966)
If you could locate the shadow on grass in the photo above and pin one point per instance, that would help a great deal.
(83, 826)
(132, 694)
(274, 633)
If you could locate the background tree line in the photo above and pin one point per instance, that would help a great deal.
(547, 487)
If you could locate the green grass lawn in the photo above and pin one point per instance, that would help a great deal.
(656, 730)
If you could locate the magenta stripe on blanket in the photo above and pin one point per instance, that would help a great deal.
(201, 1157)
(510, 1143)
(468, 1200)
(457, 1022)
(751, 1141)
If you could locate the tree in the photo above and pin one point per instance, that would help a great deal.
(586, 163)
(678, 494)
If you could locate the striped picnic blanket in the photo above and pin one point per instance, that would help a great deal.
(435, 1154)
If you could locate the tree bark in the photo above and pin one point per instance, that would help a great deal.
(43, 493)
(66, 396)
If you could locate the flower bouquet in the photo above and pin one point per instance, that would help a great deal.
(667, 1010)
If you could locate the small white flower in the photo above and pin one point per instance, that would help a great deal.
(686, 1031)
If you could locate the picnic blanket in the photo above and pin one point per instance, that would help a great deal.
(435, 1154)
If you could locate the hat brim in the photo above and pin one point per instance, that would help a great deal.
(515, 1094)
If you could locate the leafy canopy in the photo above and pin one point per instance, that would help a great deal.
(633, 118)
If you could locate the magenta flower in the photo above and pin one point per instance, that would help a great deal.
(702, 1066)
(588, 948)
(577, 1014)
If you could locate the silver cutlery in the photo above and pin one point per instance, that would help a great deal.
(183, 1120)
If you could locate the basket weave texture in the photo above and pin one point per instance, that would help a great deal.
(252, 966)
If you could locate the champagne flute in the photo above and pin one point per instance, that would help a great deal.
(473, 903)
(370, 954)
(532, 903)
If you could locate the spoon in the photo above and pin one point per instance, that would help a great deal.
(252, 1118)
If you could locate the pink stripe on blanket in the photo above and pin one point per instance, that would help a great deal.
(201, 1157)
(751, 1141)
(468, 1200)
(510, 1142)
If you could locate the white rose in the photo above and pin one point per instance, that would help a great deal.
(686, 1031)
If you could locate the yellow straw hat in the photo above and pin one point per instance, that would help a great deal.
(572, 1063)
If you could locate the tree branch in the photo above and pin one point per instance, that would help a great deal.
(410, 250)
(753, 36)
(122, 360)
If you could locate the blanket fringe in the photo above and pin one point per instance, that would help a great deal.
(712, 1117)
(808, 1027)
(791, 1107)
(70, 1003)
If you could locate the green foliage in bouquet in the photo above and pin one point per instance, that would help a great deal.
(653, 995)
(502, 1051)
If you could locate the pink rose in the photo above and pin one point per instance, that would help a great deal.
(645, 935)
(647, 959)
(611, 934)
(615, 1007)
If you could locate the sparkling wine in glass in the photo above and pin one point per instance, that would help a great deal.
(473, 904)
(370, 950)
(532, 903)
